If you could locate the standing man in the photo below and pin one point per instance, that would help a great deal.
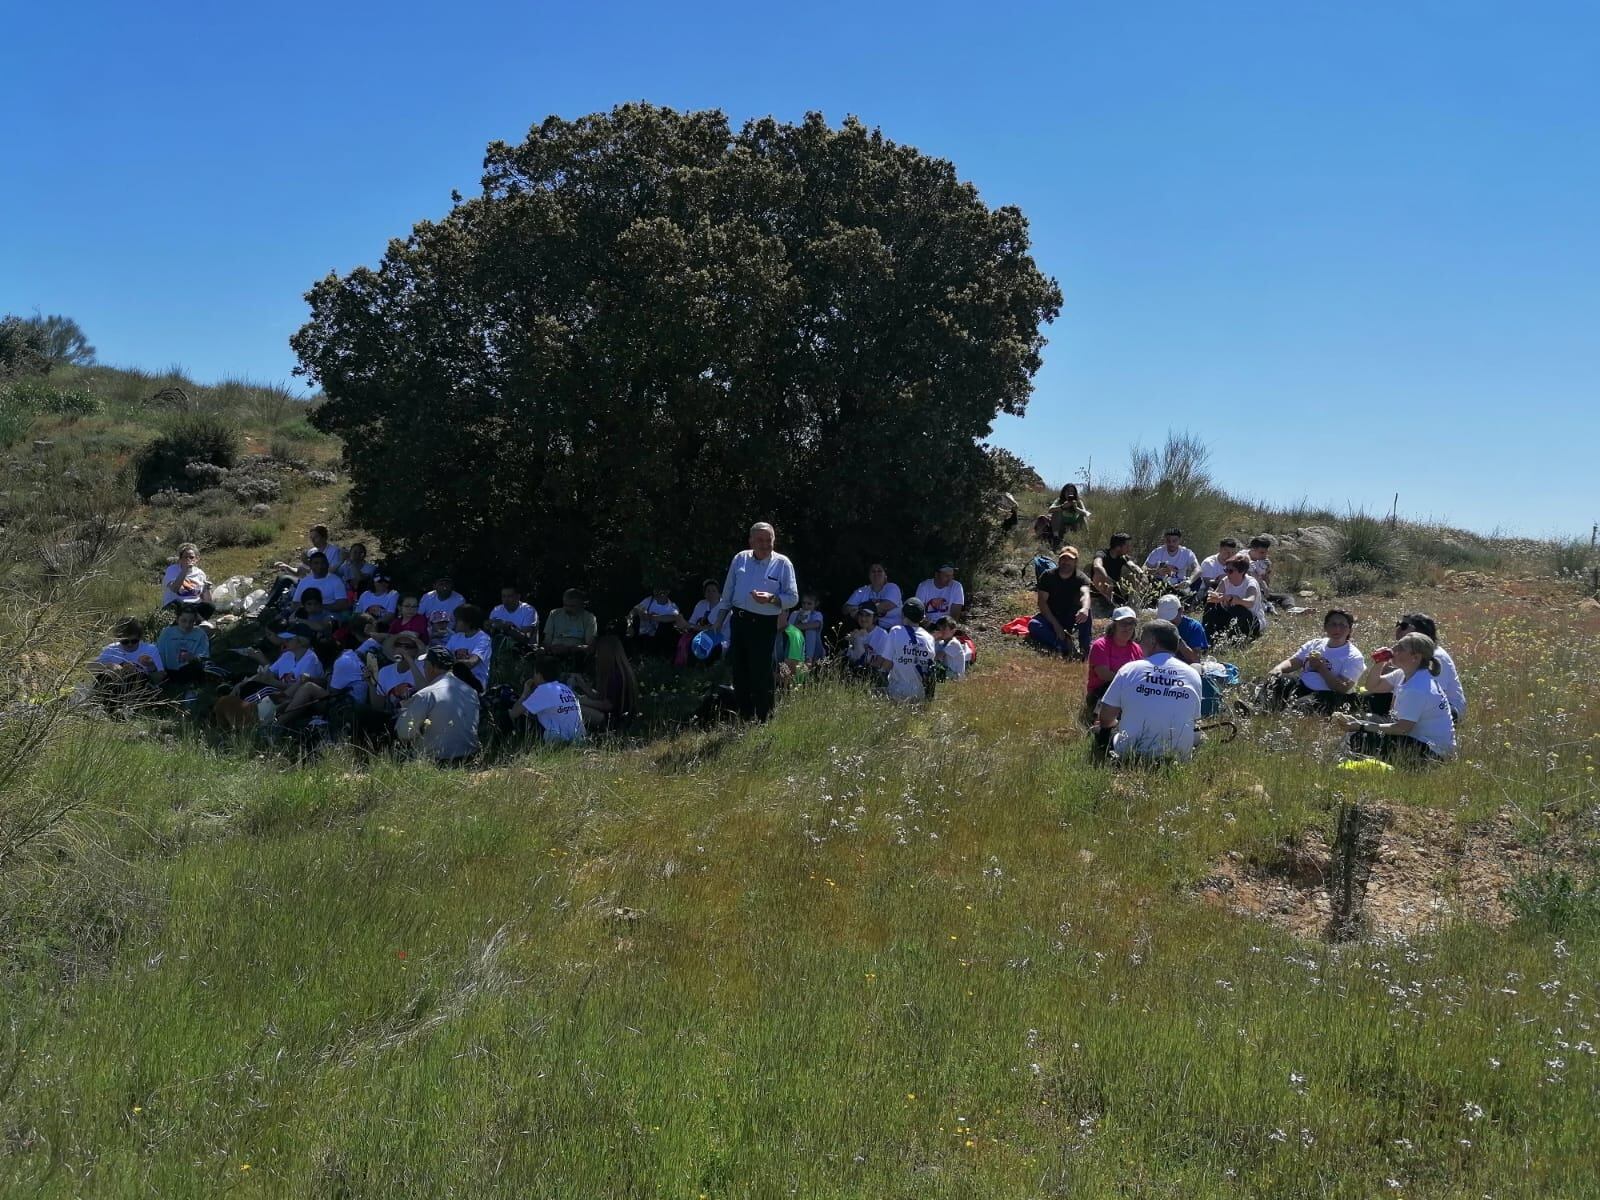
(760, 588)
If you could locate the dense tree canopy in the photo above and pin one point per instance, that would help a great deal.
(649, 331)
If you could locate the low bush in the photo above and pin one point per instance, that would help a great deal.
(43, 397)
(15, 422)
(162, 465)
(1571, 559)
(1552, 899)
(1354, 579)
(1368, 542)
(222, 531)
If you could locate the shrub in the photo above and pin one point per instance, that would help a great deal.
(162, 464)
(1366, 541)
(1553, 899)
(220, 531)
(1570, 558)
(40, 396)
(15, 421)
(1354, 579)
(254, 489)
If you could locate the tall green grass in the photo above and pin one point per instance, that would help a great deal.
(863, 950)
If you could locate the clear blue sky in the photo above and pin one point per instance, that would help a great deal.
(1355, 247)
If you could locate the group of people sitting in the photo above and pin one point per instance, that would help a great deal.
(1231, 589)
(343, 649)
(1144, 688)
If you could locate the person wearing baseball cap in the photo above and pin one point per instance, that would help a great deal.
(441, 719)
(378, 599)
(1108, 654)
(1192, 640)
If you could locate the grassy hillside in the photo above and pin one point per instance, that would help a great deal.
(859, 951)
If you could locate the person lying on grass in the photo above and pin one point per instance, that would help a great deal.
(1325, 670)
(550, 705)
(1150, 708)
(1419, 731)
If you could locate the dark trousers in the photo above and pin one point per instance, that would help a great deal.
(750, 663)
(1040, 631)
(193, 671)
(1400, 750)
(1231, 620)
(1288, 690)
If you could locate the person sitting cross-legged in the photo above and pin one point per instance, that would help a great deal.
(1064, 622)
(1383, 679)
(471, 646)
(1172, 564)
(129, 669)
(1118, 581)
(867, 643)
(378, 599)
(1419, 730)
(514, 623)
(1108, 654)
(185, 585)
(1193, 644)
(657, 623)
(909, 657)
(1237, 607)
(441, 717)
(185, 648)
(879, 593)
(550, 704)
(1325, 670)
(1150, 708)
(570, 631)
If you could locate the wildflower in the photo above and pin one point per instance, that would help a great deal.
(138, 1109)
(1472, 1111)
(244, 1166)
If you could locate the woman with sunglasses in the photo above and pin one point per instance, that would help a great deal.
(1236, 606)
(1382, 679)
(129, 669)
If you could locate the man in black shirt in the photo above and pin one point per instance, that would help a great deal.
(1115, 576)
(1063, 607)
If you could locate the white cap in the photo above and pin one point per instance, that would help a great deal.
(1123, 614)
(1168, 608)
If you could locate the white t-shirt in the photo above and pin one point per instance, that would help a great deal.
(941, 601)
(144, 656)
(397, 683)
(707, 612)
(349, 675)
(334, 554)
(1347, 662)
(1261, 568)
(1160, 701)
(439, 614)
(389, 602)
(653, 614)
(910, 653)
(560, 715)
(867, 594)
(290, 669)
(874, 645)
(1213, 568)
(1250, 588)
(1449, 682)
(330, 586)
(524, 616)
(479, 643)
(1421, 700)
(955, 657)
(171, 592)
(1182, 561)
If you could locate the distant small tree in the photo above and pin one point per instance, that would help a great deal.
(649, 331)
(63, 341)
(22, 349)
